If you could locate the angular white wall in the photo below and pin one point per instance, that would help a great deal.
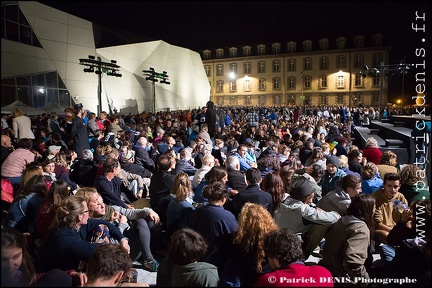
(66, 38)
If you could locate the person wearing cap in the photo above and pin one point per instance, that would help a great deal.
(332, 175)
(127, 159)
(298, 212)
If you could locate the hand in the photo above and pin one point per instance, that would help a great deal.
(122, 218)
(115, 216)
(406, 215)
(234, 192)
(130, 206)
(125, 244)
(154, 216)
(79, 279)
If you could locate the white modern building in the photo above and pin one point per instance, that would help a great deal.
(41, 48)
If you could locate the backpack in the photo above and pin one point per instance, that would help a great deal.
(7, 191)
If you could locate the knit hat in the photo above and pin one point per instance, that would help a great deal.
(302, 186)
(333, 160)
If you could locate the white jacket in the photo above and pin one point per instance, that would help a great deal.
(22, 127)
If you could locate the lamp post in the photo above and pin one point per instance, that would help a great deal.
(153, 76)
(94, 65)
(382, 71)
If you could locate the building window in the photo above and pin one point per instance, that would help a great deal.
(207, 70)
(220, 100)
(291, 47)
(233, 85)
(262, 84)
(377, 59)
(276, 83)
(247, 100)
(358, 60)
(247, 68)
(341, 43)
(357, 99)
(219, 70)
(340, 99)
(324, 44)
(377, 40)
(276, 65)
(233, 52)
(291, 64)
(233, 68)
(307, 82)
(233, 100)
(340, 61)
(206, 54)
(323, 99)
(247, 85)
(375, 97)
(219, 53)
(35, 90)
(276, 99)
(246, 50)
(340, 82)
(307, 45)
(262, 100)
(261, 67)
(359, 41)
(324, 63)
(322, 82)
(276, 47)
(15, 26)
(219, 86)
(261, 49)
(291, 82)
(376, 80)
(291, 99)
(307, 63)
(307, 100)
(359, 81)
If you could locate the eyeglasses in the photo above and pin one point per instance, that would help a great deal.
(87, 211)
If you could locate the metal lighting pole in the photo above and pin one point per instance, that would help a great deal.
(99, 67)
(382, 71)
(153, 76)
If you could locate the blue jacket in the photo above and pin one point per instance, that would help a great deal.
(371, 185)
(330, 182)
(22, 212)
(65, 247)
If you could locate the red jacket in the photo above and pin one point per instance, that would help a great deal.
(297, 275)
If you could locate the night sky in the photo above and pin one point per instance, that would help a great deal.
(201, 25)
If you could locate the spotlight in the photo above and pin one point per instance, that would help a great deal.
(88, 70)
(113, 61)
(92, 57)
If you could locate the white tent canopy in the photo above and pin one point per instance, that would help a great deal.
(54, 107)
(29, 110)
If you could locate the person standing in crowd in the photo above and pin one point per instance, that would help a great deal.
(22, 125)
(211, 119)
(285, 257)
(78, 131)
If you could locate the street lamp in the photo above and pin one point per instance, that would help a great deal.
(98, 67)
(153, 76)
(383, 71)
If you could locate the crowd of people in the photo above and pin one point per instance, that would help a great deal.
(213, 196)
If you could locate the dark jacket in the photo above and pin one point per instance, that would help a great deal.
(64, 248)
(80, 136)
(185, 166)
(136, 169)
(159, 190)
(236, 180)
(210, 119)
(252, 194)
(110, 190)
(84, 173)
(142, 157)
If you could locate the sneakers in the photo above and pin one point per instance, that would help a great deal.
(151, 265)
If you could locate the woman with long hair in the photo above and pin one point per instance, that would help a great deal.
(58, 191)
(273, 184)
(241, 258)
(346, 250)
(18, 268)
